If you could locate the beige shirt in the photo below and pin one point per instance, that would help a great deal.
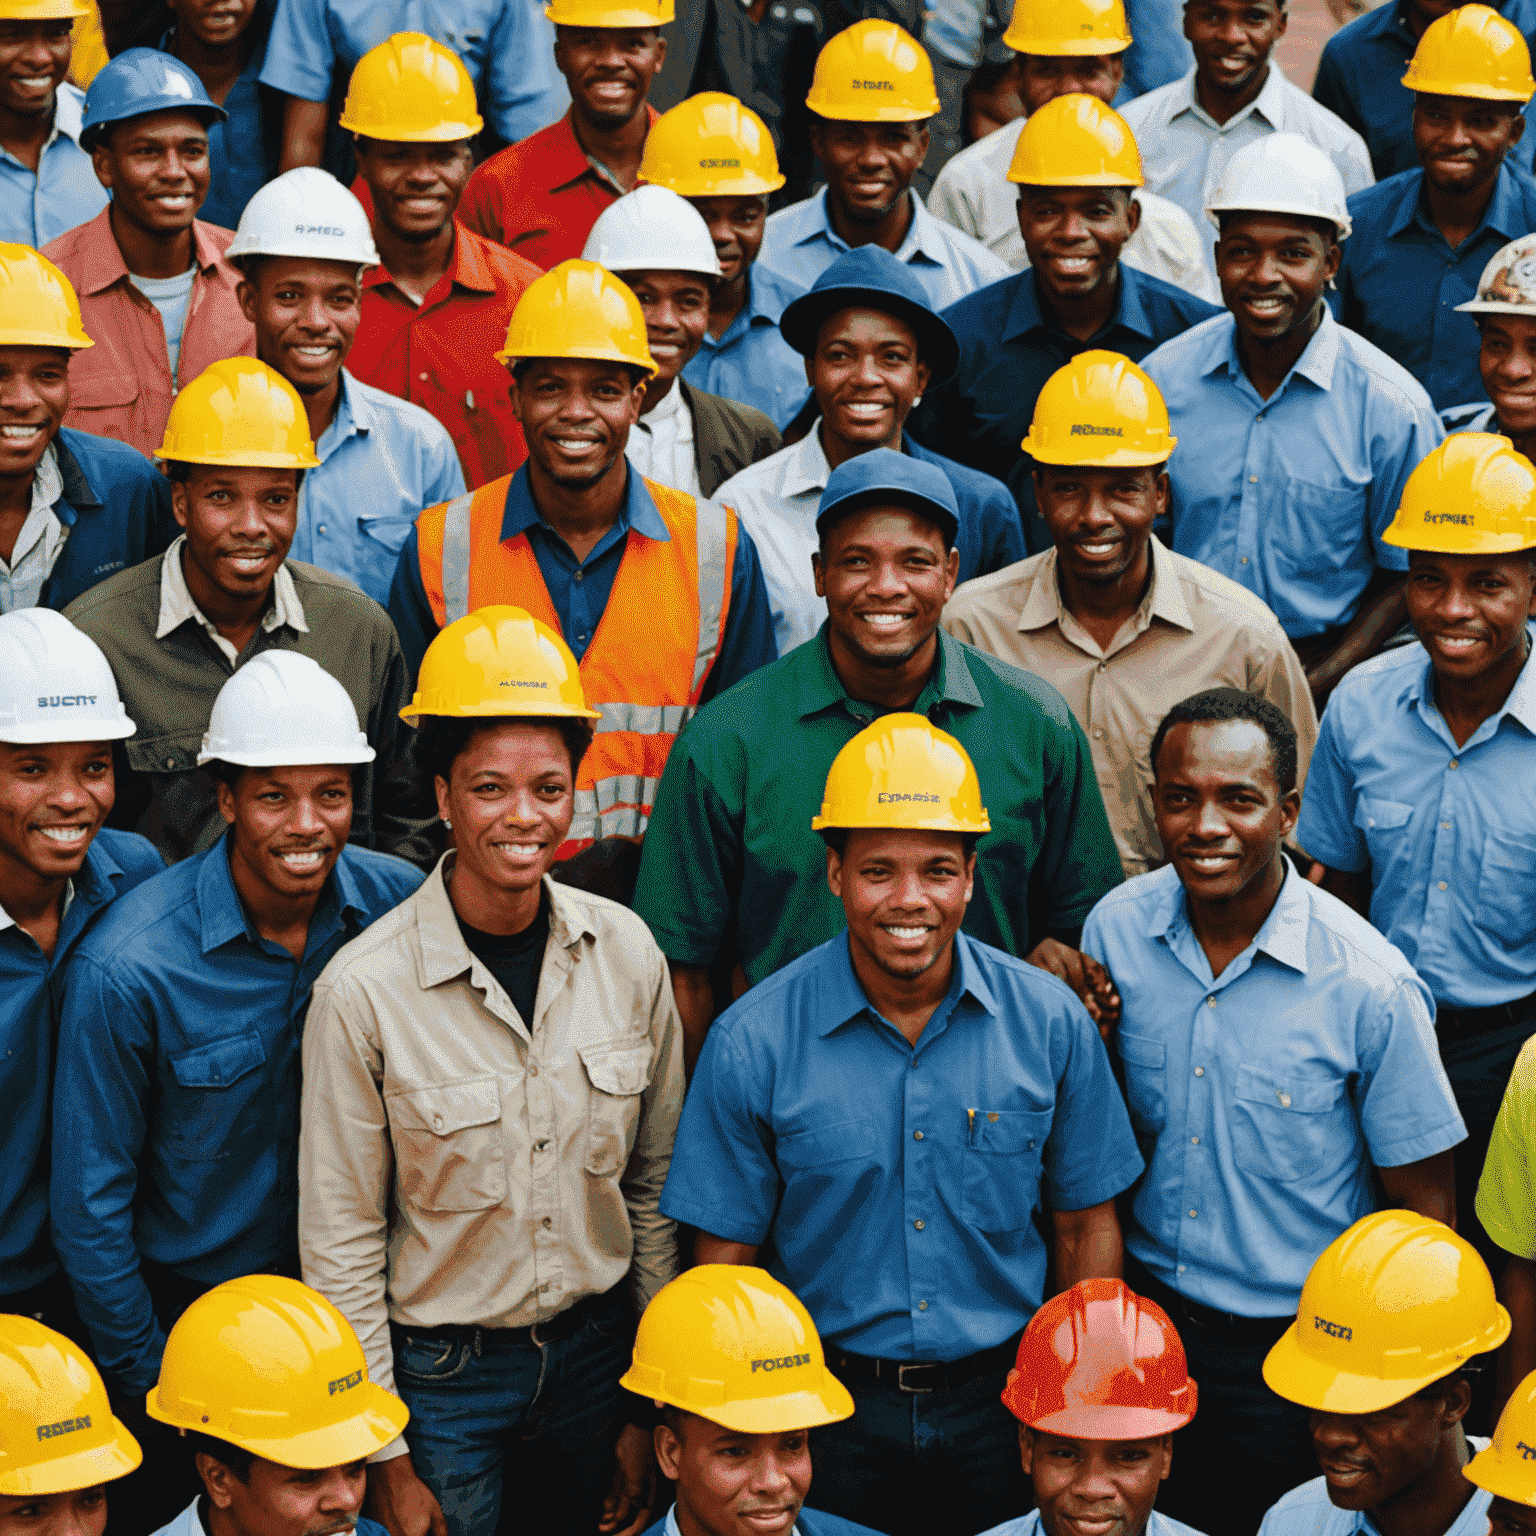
(177, 604)
(1194, 630)
(453, 1167)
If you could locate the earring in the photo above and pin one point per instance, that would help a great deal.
(917, 402)
(447, 823)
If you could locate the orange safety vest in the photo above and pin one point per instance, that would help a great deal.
(650, 656)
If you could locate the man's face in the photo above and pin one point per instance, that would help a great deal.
(904, 894)
(576, 415)
(1367, 1458)
(1470, 610)
(1273, 269)
(1220, 812)
(53, 801)
(676, 306)
(869, 166)
(156, 168)
(1042, 77)
(733, 1484)
(736, 226)
(1507, 360)
(867, 375)
(415, 187)
(82, 1512)
(239, 523)
(34, 58)
(609, 69)
(284, 1501)
(1073, 235)
(1100, 519)
(1462, 141)
(306, 313)
(290, 824)
(34, 395)
(1232, 41)
(886, 577)
(214, 23)
(1094, 1487)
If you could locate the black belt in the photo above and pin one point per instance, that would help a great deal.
(1483, 1021)
(563, 1325)
(922, 1376)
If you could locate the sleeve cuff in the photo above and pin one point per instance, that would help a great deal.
(1395, 1154)
(1106, 1186)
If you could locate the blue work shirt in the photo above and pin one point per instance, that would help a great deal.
(38, 206)
(176, 1107)
(813, 1126)
(1447, 833)
(382, 460)
(1290, 496)
(1308, 1511)
(579, 589)
(1009, 347)
(752, 363)
(1400, 281)
(1158, 1524)
(114, 863)
(1159, 53)
(1263, 1097)
(1360, 75)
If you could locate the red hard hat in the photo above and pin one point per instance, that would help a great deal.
(1099, 1362)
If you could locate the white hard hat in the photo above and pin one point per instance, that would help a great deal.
(652, 229)
(55, 684)
(306, 212)
(282, 709)
(1508, 283)
(1281, 173)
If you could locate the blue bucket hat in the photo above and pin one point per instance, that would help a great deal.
(883, 477)
(870, 277)
(140, 81)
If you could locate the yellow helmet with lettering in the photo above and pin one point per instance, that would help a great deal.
(1076, 28)
(1101, 411)
(903, 772)
(1506, 1468)
(873, 72)
(623, 14)
(1472, 51)
(1474, 495)
(1076, 141)
(711, 146)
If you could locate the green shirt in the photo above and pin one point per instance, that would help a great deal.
(729, 853)
(1506, 1192)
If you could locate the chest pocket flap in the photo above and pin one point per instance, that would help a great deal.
(206, 1118)
(623, 1072)
(92, 391)
(448, 1145)
(219, 1063)
(1286, 1125)
(163, 754)
(447, 1108)
(1373, 815)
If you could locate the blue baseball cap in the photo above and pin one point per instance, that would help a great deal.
(140, 81)
(881, 478)
(869, 277)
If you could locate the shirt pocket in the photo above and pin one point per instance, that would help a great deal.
(1146, 1082)
(379, 542)
(618, 1078)
(823, 1146)
(1286, 1125)
(448, 1145)
(1509, 863)
(214, 1112)
(1318, 530)
(1001, 1185)
(1382, 824)
(102, 391)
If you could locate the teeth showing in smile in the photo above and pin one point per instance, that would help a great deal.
(1097, 548)
(34, 82)
(1266, 306)
(1456, 643)
(519, 850)
(301, 861)
(315, 352)
(904, 933)
(22, 434)
(1211, 861)
(574, 444)
(65, 835)
(883, 620)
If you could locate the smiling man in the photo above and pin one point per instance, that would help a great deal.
(176, 1112)
(1504, 311)
(1278, 1058)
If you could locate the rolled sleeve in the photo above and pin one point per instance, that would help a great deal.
(1506, 1196)
(1326, 829)
(300, 57)
(1407, 1109)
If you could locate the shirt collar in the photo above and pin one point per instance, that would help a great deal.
(68, 114)
(561, 159)
(1282, 936)
(1026, 313)
(639, 513)
(842, 998)
(353, 418)
(768, 294)
(925, 236)
(1044, 606)
(1521, 703)
(807, 469)
(1316, 364)
(77, 490)
(101, 260)
(47, 481)
(177, 604)
(1268, 104)
(1504, 215)
(821, 688)
(467, 267)
(670, 405)
(222, 916)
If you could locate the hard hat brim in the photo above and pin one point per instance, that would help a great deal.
(1107, 1423)
(493, 710)
(1077, 48)
(802, 320)
(900, 823)
(1090, 179)
(1490, 1472)
(585, 354)
(1478, 90)
(746, 184)
(1448, 539)
(440, 133)
(46, 734)
(765, 1415)
(617, 18)
(252, 458)
(891, 114)
(1341, 222)
(45, 338)
(80, 1469)
(1495, 307)
(48, 10)
(1120, 458)
(281, 757)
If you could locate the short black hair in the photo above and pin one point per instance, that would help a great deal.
(1213, 705)
(441, 738)
(1326, 228)
(520, 365)
(232, 1456)
(836, 838)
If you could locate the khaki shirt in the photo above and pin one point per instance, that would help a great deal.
(1195, 629)
(454, 1168)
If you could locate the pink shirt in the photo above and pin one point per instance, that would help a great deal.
(122, 387)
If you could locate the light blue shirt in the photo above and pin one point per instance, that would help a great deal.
(1307, 1511)
(1030, 1525)
(752, 363)
(800, 244)
(506, 45)
(382, 461)
(1448, 833)
(1478, 416)
(38, 206)
(1262, 1098)
(1290, 496)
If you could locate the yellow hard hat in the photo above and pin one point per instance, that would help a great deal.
(239, 412)
(38, 306)
(1079, 28)
(42, 10)
(903, 771)
(1394, 1303)
(578, 309)
(1100, 410)
(269, 1365)
(711, 146)
(611, 13)
(411, 90)
(735, 1346)
(1474, 495)
(498, 660)
(873, 72)
(1507, 1467)
(57, 1432)
(1472, 51)
(1076, 141)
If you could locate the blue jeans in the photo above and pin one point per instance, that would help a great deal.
(494, 1409)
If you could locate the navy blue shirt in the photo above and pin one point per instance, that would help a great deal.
(1400, 281)
(176, 1110)
(1009, 348)
(115, 862)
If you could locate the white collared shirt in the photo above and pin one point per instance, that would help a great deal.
(660, 445)
(177, 604)
(40, 540)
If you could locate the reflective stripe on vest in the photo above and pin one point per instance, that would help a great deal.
(456, 556)
(614, 807)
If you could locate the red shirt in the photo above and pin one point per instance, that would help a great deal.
(540, 197)
(442, 354)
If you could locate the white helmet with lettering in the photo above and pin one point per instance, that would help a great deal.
(282, 709)
(1281, 173)
(652, 229)
(305, 212)
(55, 685)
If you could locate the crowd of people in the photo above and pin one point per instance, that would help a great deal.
(766, 732)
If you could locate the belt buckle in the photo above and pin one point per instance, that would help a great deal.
(901, 1376)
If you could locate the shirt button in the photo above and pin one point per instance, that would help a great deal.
(1454, 763)
(1181, 1269)
(1441, 885)
(1253, 479)
(576, 576)
(918, 1224)
(170, 762)
(437, 1122)
(1445, 826)
(1243, 560)
(539, 1146)
(1259, 417)
(922, 1306)
(549, 1221)
(1098, 735)
(422, 377)
(1194, 1213)
(1194, 1141)
(917, 1135)
(533, 1069)
(321, 528)
(1199, 1071)
(1210, 1002)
